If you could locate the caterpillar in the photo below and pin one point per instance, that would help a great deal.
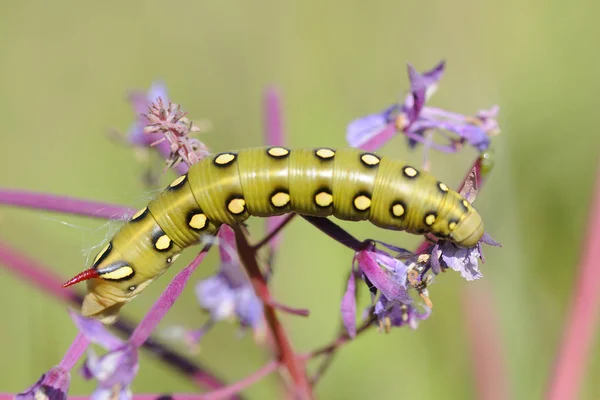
(229, 187)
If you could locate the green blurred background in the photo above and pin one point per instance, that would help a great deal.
(66, 66)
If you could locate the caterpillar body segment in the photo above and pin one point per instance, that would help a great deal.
(228, 188)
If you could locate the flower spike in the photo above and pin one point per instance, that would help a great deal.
(82, 276)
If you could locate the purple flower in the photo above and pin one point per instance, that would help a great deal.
(385, 273)
(53, 385)
(395, 313)
(114, 371)
(381, 272)
(414, 120)
(229, 293)
(463, 260)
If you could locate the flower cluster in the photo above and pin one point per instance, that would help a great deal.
(397, 279)
(415, 120)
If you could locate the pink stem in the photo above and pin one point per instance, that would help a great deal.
(76, 350)
(582, 318)
(165, 302)
(274, 136)
(64, 204)
(273, 120)
(35, 272)
(483, 332)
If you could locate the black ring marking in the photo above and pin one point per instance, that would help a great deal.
(442, 187)
(104, 255)
(228, 163)
(404, 207)
(179, 184)
(429, 214)
(463, 206)
(369, 155)
(278, 157)
(189, 217)
(316, 152)
(157, 234)
(362, 193)
(114, 267)
(276, 191)
(236, 197)
(410, 169)
(323, 190)
(141, 216)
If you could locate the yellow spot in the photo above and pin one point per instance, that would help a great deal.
(466, 204)
(139, 213)
(236, 206)
(177, 181)
(119, 273)
(410, 172)
(443, 187)
(398, 210)
(452, 225)
(362, 202)
(430, 219)
(324, 199)
(370, 159)
(99, 256)
(280, 199)
(325, 153)
(163, 242)
(278, 151)
(198, 221)
(225, 159)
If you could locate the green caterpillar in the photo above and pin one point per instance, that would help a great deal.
(228, 188)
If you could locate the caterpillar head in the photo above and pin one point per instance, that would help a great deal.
(469, 230)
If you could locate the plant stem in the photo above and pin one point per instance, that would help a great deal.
(282, 342)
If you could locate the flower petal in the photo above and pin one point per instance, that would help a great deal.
(388, 286)
(53, 385)
(348, 307)
(96, 332)
(462, 260)
(372, 131)
(114, 370)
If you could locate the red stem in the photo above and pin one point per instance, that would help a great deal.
(282, 342)
(582, 318)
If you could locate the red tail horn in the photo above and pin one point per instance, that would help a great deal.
(82, 276)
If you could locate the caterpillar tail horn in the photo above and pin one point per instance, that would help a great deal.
(82, 276)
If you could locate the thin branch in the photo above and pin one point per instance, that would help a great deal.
(281, 224)
(335, 232)
(282, 342)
